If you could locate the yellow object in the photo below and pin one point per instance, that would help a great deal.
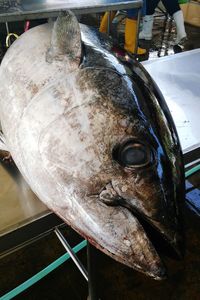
(8, 38)
(191, 13)
(104, 22)
(130, 37)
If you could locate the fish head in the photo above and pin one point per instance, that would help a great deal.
(116, 159)
(136, 151)
(118, 168)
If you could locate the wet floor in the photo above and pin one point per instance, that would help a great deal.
(164, 35)
(114, 281)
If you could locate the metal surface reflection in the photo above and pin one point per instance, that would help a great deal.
(178, 78)
(18, 204)
(31, 9)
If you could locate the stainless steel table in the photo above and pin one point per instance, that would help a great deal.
(178, 77)
(23, 217)
(15, 10)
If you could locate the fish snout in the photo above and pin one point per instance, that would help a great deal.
(155, 208)
(121, 235)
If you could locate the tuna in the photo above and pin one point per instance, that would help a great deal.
(95, 140)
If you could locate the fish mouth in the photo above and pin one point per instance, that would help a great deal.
(162, 238)
(123, 238)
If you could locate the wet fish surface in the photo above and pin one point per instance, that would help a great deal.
(94, 139)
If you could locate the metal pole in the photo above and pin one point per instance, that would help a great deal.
(71, 253)
(91, 273)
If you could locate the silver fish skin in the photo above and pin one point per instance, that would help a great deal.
(94, 139)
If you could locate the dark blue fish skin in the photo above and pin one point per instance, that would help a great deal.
(169, 151)
(150, 109)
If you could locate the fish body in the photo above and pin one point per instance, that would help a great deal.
(94, 139)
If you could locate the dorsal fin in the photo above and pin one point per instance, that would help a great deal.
(65, 39)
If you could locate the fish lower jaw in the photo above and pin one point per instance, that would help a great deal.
(153, 227)
(155, 233)
(164, 240)
(156, 271)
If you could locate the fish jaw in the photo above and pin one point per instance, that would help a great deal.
(118, 233)
(154, 202)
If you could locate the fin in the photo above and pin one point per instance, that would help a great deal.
(65, 39)
(3, 146)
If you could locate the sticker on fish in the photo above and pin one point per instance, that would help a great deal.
(95, 141)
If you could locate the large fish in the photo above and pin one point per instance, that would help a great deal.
(94, 140)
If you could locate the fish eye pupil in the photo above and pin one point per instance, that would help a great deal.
(132, 154)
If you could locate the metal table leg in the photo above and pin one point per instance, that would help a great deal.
(71, 253)
(90, 275)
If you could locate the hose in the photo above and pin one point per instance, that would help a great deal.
(192, 171)
(26, 284)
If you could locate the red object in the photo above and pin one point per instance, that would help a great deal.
(27, 25)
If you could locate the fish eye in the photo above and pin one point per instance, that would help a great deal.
(133, 154)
